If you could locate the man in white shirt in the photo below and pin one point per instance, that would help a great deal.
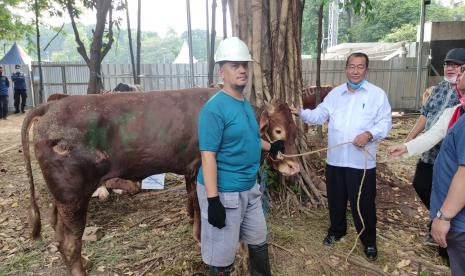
(359, 114)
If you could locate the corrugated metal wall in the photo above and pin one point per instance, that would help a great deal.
(396, 77)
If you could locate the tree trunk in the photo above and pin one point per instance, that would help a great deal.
(138, 40)
(211, 61)
(272, 30)
(208, 35)
(39, 59)
(349, 24)
(318, 62)
(98, 50)
(224, 4)
(131, 50)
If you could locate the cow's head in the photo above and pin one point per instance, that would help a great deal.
(276, 123)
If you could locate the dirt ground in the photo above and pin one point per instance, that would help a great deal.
(149, 233)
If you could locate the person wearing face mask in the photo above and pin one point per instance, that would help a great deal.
(19, 84)
(4, 86)
(443, 96)
(359, 115)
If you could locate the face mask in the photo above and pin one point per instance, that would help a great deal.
(18, 70)
(355, 86)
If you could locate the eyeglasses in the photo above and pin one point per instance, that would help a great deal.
(353, 67)
(451, 65)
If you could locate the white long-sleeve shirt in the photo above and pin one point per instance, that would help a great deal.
(350, 114)
(431, 137)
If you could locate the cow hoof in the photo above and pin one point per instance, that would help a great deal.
(102, 193)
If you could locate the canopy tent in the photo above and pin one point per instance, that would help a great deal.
(183, 56)
(16, 55)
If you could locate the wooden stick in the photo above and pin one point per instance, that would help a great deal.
(283, 248)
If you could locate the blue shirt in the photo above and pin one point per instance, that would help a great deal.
(228, 127)
(444, 95)
(451, 156)
(19, 80)
(4, 84)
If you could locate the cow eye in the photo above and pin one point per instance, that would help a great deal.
(278, 131)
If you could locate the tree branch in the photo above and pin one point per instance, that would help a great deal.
(81, 48)
(107, 47)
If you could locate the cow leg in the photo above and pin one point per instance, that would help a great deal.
(130, 187)
(53, 216)
(70, 224)
(193, 208)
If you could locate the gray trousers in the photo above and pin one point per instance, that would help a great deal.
(456, 251)
(245, 221)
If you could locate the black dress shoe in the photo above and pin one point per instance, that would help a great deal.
(330, 239)
(371, 252)
(16, 111)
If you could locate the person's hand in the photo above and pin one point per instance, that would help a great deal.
(362, 139)
(275, 147)
(396, 150)
(439, 230)
(216, 212)
(295, 111)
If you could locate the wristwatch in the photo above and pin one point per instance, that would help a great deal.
(441, 216)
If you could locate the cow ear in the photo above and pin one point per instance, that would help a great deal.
(264, 122)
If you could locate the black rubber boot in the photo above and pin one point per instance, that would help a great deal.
(220, 271)
(259, 262)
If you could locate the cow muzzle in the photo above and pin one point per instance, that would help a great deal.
(287, 167)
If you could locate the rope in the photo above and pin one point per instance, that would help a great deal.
(281, 156)
(365, 152)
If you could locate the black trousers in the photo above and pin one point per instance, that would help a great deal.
(342, 185)
(423, 181)
(3, 106)
(20, 94)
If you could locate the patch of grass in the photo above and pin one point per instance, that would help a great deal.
(281, 233)
(21, 263)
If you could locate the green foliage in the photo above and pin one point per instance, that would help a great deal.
(373, 20)
(310, 20)
(12, 26)
(310, 27)
(273, 181)
(407, 32)
(394, 20)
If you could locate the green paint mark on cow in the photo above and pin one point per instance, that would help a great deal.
(125, 135)
(96, 137)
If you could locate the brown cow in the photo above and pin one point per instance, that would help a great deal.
(81, 141)
(309, 95)
(118, 184)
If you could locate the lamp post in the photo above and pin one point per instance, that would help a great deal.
(420, 50)
(189, 34)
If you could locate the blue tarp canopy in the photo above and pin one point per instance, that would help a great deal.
(16, 55)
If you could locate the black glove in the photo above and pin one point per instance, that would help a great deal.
(216, 212)
(276, 146)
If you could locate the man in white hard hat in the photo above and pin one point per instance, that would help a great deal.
(230, 145)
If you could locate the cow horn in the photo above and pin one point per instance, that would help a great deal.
(270, 107)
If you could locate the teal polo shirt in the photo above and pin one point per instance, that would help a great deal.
(228, 127)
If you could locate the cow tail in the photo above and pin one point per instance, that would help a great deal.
(34, 212)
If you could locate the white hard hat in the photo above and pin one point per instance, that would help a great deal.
(232, 49)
